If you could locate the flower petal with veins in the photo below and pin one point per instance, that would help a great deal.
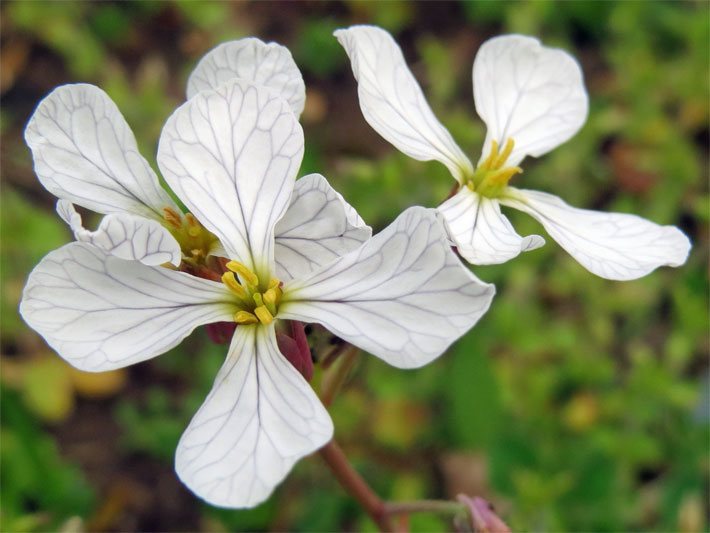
(252, 60)
(393, 103)
(402, 296)
(318, 226)
(611, 245)
(259, 419)
(84, 152)
(101, 313)
(481, 233)
(126, 236)
(232, 155)
(529, 93)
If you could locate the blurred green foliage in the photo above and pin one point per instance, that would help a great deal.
(576, 404)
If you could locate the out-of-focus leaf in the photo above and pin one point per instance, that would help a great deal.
(47, 388)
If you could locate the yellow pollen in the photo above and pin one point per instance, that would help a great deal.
(245, 275)
(263, 314)
(254, 304)
(271, 298)
(230, 280)
(245, 317)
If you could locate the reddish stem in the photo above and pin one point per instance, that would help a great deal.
(356, 486)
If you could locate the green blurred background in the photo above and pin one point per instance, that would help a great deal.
(576, 404)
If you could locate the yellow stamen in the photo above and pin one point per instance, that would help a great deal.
(491, 157)
(171, 217)
(245, 275)
(503, 156)
(265, 317)
(193, 226)
(271, 299)
(245, 317)
(230, 280)
(502, 176)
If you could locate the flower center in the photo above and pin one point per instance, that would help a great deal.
(195, 241)
(257, 302)
(491, 177)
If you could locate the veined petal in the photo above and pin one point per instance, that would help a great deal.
(100, 312)
(611, 245)
(403, 296)
(231, 155)
(530, 93)
(481, 233)
(259, 419)
(252, 60)
(84, 152)
(318, 226)
(393, 103)
(125, 236)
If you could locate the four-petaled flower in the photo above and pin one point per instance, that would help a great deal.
(231, 155)
(532, 99)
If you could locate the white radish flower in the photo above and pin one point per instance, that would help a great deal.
(231, 155)
(532, 99)
(85, 153)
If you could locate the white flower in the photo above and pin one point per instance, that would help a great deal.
(231, 155)
(85, 154)
(532, 99)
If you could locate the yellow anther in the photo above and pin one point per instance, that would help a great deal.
(230, 281)
(503, 156)
(271, 299)
(194, 228)
(245, 317)
(265, 317)
(245, 275)
(486, 165)
(273, 283)
(172, 217)
(502, 176)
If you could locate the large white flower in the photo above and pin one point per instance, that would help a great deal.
(532, 99)
(85, 153)
(231, 155)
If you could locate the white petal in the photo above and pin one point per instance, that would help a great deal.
(126, 236)
(252, 60)
(318, 227)
(85, 152)
(259, 419)
(530, 93)
(232, 155)
(100, 312)
(611, 245)
(403, 296)
(392, 101)
(481, 233)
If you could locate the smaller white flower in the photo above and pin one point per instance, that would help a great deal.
(85, 153)
(532, 99)
(231, 155)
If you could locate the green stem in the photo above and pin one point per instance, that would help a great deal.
(333, 381)
(425, 506)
